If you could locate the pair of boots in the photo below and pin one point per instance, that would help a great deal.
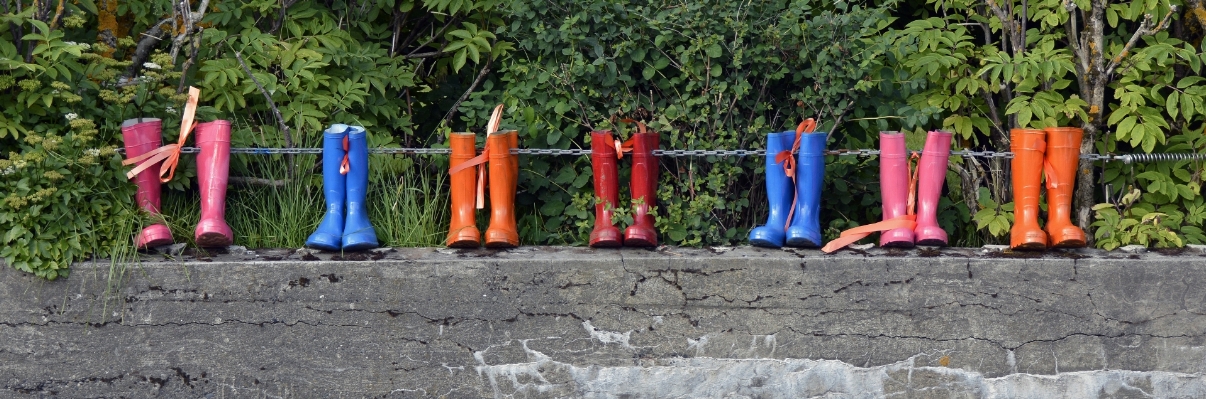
(605, 150)
(1057, 151)
(794, 193)
(142, 137)
(345, 185)
(503, 178)
(902, 227)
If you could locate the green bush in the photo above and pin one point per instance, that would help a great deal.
(706, 75)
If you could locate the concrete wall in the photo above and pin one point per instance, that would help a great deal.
(575, 322)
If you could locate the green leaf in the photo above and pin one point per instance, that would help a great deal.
(458, 60)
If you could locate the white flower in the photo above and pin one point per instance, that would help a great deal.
(86, 46)
(151, 65)
(93, 152)
(18, 164)
(71, 116)
(170, 110)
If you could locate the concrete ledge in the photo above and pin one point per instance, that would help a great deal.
(576, 322)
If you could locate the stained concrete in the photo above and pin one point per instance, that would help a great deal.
(575, 322)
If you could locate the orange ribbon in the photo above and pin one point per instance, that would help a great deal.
(789, 162)
(626, 146)
(908, 221)
(480, 160)
(168, 154)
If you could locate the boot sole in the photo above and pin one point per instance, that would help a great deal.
(210, 240)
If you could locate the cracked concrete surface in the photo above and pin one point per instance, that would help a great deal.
(576, 322)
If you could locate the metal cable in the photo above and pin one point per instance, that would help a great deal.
(1126, 158)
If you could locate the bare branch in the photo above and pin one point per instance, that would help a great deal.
(1074, 35)
(433, 37)
(280, 20)
(190, 19)
(189, 62)
(149, 40)
(425, 55)
(280, 120)
(480, 75)
(1145, 29)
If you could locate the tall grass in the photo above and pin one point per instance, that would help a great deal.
(407, 207)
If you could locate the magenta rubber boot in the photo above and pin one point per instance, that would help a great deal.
(141, 136)
(894, 187)
(931, 175)
(213, 172)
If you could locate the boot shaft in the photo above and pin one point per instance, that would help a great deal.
(605, 170)
(1029, 147)
(643, 182)
(893, 174)
(504, 174)
(1063, 153)
(358, 166)
(141, 135)
(213, 166)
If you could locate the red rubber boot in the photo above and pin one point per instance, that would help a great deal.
(142, 135)
(213, 171)
(607, 190)
(644, 191)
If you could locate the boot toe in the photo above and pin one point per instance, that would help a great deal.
(360, 239)
(767, 237)
(931, 235)
(156, 235)
(213, 233)
(467, 237)
(500, 238)
(1068, 237)
(799, 236)
(606, 237)
(897, 238)
(640, 236)
(1028, 239)
(323, 241)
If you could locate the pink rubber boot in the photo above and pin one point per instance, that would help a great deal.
(931, 175)
(894, 186)
(213, 168)
(141, 136)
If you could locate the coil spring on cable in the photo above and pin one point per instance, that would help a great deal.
(1143, 158)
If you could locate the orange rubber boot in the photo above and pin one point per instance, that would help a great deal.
(463, 233)
(1028, 147)
(504, 177)
(1063, 157)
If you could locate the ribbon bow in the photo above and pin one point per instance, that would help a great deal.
(169, 154)
(480, 160)
(788, 159)
(626, 145)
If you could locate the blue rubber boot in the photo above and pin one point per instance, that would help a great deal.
(779, 192)
(358, 234)
(805, 230)
(329, 235)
